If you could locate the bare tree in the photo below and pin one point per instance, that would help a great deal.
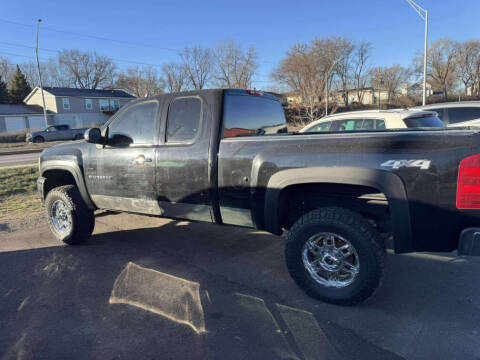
(29, 69)
(175, 77)
(198, 65)
(301, 72)
(389, 79)
(141, 82)
(344, 66)
(441, 65)
(235, 68)
(87, 70)
(361, 68)
(6, 69)
(468, 65)
(52, 74)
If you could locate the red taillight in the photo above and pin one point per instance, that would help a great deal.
(468, 183)
(255, 92)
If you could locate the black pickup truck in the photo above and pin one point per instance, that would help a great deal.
(225, 157)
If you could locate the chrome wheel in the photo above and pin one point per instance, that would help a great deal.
(61, 217)
(331, 260)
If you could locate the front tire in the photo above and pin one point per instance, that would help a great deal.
(335, 255)
(38, 139)
(68, 217)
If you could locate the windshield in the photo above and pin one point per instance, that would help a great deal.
(424, 122)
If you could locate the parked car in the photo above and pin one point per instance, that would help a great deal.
(222, 156)
(462, 113)
(56, 133)
(375, 120)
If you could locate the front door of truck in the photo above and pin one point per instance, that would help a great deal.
(182, 178)
(122, 177)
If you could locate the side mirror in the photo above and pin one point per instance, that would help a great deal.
(93, 136)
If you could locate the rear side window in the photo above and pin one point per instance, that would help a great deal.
(183, 119)
(325, 126)
(460, 114)
(380, 124)
(134, 125)
(424, 122)
(246, 115)
(353, 124)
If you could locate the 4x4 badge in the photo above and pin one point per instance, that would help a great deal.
(397, 164)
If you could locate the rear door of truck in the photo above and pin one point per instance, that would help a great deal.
(184, 158)
(249, 118)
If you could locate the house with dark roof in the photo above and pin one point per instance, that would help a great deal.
(15, 117)
(79, 107)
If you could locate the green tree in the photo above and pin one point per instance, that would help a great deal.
(18, 87)
(4, 96)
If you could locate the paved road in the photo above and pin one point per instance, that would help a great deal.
(19, 159)
(148, 288)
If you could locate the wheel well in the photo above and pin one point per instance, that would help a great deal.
(55, 178)
(297, 200)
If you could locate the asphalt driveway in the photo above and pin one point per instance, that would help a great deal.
(149, 288)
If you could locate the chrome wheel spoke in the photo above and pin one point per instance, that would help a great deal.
(333, 277)
(346, 250)
(350, 268)
(313, 246)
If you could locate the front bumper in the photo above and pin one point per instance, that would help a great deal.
(469, 242)
(41, 188)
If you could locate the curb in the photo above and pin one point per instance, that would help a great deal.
(17, 152)
(17, 166)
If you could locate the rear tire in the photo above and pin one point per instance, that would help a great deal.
(321, 269)
(38, 139)
(68, 217)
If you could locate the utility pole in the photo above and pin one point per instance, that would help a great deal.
(379, 83)
(40, 75)
(423, 13)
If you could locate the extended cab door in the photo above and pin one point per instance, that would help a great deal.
(122, 176)
(182, 171)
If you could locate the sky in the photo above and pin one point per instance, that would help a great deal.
(152, 32)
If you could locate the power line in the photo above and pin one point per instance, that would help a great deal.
(91, 36)
(57, 51)
(105, 39)
(20, 55)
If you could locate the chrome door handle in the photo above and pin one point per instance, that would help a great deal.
(141, 159)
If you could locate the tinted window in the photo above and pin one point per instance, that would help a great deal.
(246, 115)
(366, 124)
(134, 125)
(183, 119)
(460, 114)
(381, 124)
(424, 122)
(352, 124)
(325, 126)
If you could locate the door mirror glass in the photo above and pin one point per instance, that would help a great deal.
(93, 136)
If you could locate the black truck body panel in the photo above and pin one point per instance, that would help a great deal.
(241, 180)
